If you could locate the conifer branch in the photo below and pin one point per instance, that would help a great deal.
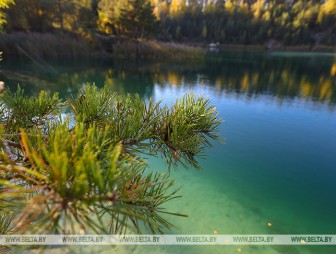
(68, 177)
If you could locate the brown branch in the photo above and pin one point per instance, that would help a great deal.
(8, 150)
(11, 143)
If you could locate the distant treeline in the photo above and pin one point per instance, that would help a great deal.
(286, 22)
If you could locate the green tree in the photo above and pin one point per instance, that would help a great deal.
(109, 12)
(87, 174)
(137, 20)
(105, 15)
(31, 15)
(75, 16)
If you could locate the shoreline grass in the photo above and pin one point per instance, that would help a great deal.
(38, 47)
(156, 50)
(42, 46)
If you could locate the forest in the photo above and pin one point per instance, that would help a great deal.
(247, 22)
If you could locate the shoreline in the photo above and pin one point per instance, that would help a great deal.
(256, 47)
(290, 48)
(38, 46)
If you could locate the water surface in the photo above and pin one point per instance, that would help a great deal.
(278, 164)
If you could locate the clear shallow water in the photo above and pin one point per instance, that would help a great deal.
(278, 164)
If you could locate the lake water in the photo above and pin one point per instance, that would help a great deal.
(278, 163)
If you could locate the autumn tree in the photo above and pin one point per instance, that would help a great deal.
(109, 12)
(177, 7)
(4, 4)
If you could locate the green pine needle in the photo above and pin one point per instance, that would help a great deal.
(89, 176)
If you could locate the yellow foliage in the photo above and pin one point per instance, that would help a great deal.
(284, 18)
(5, 3)
(245, 82)
(297, 23)
(160, 8)
(333, 70)
(285, 76)
(255, 78)
(258, 7)
(308, 14)
(326, 90)
(174, 79)
(266, 16)
(306, 89)
(108, 81)
(177, 6)
(229, 5)
(328, 8)
(243, 7)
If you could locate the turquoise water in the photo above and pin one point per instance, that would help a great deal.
(278, 163)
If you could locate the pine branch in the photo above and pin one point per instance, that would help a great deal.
(66, 178)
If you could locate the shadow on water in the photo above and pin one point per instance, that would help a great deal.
(310, 77)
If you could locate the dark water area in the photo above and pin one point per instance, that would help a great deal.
(278, 164)
(283, 75)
